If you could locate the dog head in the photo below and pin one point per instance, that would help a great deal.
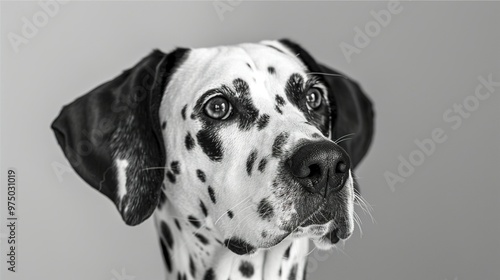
(249, 137)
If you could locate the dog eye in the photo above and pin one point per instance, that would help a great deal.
(313, 98)
(218, 108)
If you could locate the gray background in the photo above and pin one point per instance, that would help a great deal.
(441, 223)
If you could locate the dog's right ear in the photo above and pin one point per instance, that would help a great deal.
(112, 135)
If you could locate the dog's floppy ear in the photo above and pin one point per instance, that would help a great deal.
(112, 135)
(352, 113)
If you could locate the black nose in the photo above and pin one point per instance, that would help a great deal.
(320, 167)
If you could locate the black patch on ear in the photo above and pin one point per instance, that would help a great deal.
(351, 111)
(163, 125)
(271, 70)
(167, 234)
(287, 252)
(203, 208)
(275, 48)
(293, 272)
(202, 238)
(211, 193)
(239, 246)
(171, 177)
(189, 142)
(230, 214)
(265, 209)
(278, 144)
(174, 166)
(201, 175)
(192, 267)
(194, 221)
(246, 269)
(262, 165)
(209, 275)
(120, 120)
(250, 161)
(183, 112)
(166, 256)
(177, 224)
(263, 121)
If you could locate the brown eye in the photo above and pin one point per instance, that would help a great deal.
(313, 98)
(218, 108)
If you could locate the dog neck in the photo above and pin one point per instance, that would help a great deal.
(192, 249)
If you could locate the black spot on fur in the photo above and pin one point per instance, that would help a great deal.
(174, 166)
(202, 238)
(211, 193)
(203, 208)
(263, 234)
(166, 256)
(248, 112)
(246, 269)
(248, 64)
(262, 165)
(250, 161)
(287, 252)
(271, 70)
(230, 214)
(177, 224)
(265, 209)
(167, 234)
(238, 246)
(164, 125)
(278, 144)
(263, 121)
(171, 177)
(294, 90)
(192, 267)
(280, 101)
(179, 276)
(209, 275)
(189, 141)
(194, 221)
(278, 109)
(201, 175)
(293, 273)
(316, 135)
(183, 112)
(273, 47)
(210, 144)
(279, 272)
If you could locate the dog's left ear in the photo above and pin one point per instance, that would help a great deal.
(112, 135)
(352, 114)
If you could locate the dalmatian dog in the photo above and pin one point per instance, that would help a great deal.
(239, 152)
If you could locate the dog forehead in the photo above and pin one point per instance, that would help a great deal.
(265, 67)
